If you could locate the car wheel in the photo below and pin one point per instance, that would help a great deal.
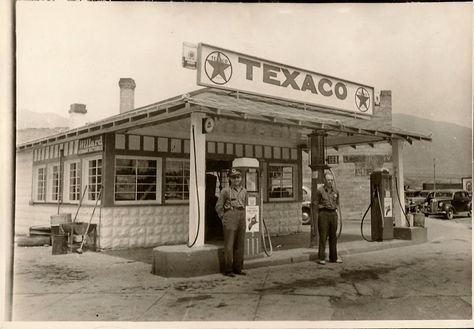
(306, 216)
(449, 214)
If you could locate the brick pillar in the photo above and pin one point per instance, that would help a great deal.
(383, 111)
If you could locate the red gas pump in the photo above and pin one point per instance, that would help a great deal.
(253, 209)
(382, 205)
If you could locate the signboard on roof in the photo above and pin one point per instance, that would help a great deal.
(221, 68)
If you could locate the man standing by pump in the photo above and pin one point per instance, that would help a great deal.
(230, 208)
(326, 203)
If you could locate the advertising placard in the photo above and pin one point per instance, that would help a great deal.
(252, 218)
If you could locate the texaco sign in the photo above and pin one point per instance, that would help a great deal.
(221, 68)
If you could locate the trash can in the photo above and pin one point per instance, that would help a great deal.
(59, 243)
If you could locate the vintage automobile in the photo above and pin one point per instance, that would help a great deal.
(306, 206)
(414, 200)
(448, 202)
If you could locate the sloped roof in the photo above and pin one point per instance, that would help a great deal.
(239, 106)
(297, 114)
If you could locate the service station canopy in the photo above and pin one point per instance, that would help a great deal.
(342, 128)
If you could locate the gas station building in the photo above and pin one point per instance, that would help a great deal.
(157, 169)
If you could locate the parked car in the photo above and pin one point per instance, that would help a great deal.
(449, 203)
(415, 199)
(306, 206)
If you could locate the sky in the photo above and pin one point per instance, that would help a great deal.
(76, 52)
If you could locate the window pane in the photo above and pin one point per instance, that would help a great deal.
(177, 179)
(135, 180)
(280, 182)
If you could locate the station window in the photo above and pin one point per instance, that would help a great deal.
(281, 181)
(39, 192)
(72, 180)
(137, 179)
(54, 182)
(333, 159)
(93, 177)
(177, 180)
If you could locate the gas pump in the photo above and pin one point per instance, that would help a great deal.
(382, 205)
(253, 209)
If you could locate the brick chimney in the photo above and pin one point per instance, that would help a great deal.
(127, 90)
(77, 115)
(383, 110)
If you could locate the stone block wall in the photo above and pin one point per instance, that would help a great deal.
(143, 226)
(353, 178)
(282, 218)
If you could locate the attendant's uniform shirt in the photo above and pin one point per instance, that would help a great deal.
(231, 198)
(326, 198)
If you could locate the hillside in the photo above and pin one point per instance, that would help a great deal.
(28, 119)
(451, 147)
(30, 134)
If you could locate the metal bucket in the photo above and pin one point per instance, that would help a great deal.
(59, 243)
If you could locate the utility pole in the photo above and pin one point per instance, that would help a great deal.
(434, 174)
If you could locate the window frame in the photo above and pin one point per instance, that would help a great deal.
(181, 201)
(50, 183)
(67, 176)
(294, 181)
(85, 177)
(36, 183)
(159, 180)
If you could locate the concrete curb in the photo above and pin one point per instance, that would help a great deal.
(311, 254)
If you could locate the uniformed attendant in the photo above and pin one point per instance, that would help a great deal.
(326, 203)
(231, 210)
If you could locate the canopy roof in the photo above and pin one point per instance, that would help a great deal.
(343, 128)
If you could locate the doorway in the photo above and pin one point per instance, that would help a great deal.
(216, 180)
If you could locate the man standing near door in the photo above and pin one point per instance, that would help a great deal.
(326, 203)
(231, 210)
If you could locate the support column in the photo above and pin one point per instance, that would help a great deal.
(398, 181)
(317, 165)
(197, 186)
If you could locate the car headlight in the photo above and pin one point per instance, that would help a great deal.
(440, 204)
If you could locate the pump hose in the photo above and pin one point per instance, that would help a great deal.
(400, 202)
(197, 192)
(362, 223)
(338, 208)
(268, 253)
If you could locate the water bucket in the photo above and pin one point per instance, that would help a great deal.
(59, 243)
(62, 218)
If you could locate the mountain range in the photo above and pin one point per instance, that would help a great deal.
(448, 156)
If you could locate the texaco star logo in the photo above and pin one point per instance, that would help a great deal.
(218, 68)
(362, 99)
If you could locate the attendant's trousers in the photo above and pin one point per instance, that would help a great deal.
(327, 226)
(233, 223)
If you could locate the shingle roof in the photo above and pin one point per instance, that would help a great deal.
(240, 106)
